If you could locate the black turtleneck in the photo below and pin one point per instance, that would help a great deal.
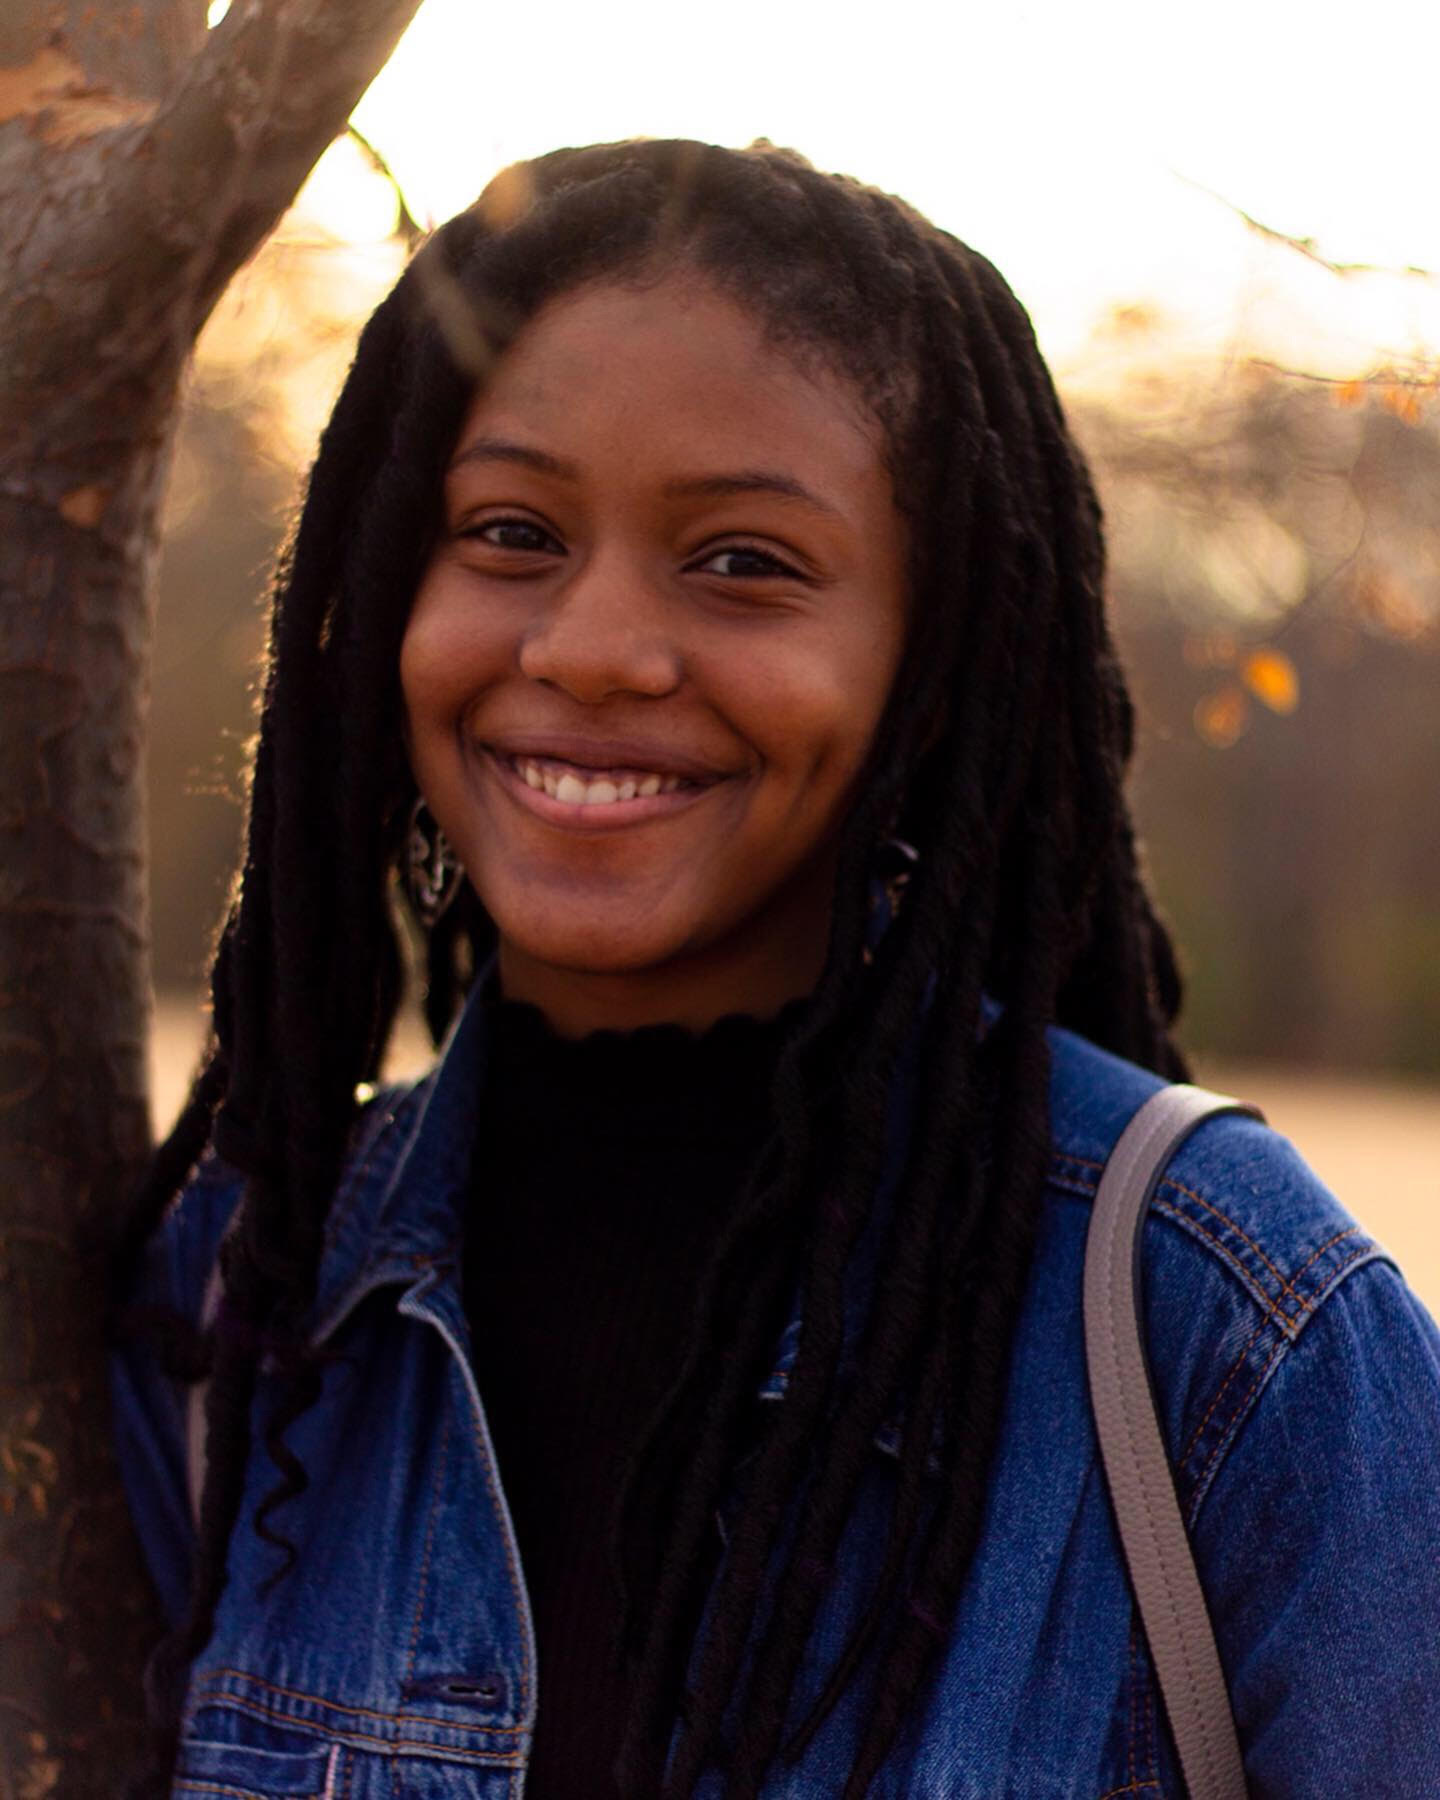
(605, 1170)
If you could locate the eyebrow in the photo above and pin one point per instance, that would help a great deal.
(749, 481)
(719, 486)
(488, 449)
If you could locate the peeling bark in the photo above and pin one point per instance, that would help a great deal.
(142, 159)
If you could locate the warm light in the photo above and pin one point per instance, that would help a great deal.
(348, 197)
(1221, 717)
(1273, 679)
(1083, 149)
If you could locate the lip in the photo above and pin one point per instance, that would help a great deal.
(602, 754)
(615, 815)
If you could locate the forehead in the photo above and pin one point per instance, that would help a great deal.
(673, 368)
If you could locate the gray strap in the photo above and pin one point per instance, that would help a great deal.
(1137, 1468)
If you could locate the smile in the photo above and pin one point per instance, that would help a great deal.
(594, 796)
(576, 786)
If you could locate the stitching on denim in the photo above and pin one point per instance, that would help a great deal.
(1274, 1308)
(441, 1460)
(346, 1197)
(1132, 1787)
(1078, 1184)
(1233, 1371)
(1083, 1162)
(217, 1693)
(397, 1747)
(195, 1786)
(1152, 1763)
(1330, 1242)
(1170, 1210)
(1282, 1344)
(352, 1185)
(1134, 1710)
(511, 1570)
(1180, 1188)
(1307, 1305)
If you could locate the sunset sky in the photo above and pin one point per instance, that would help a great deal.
(1090, 151)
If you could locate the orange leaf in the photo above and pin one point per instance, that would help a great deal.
(1221, 717)
(1273, 679)
(1404, 402)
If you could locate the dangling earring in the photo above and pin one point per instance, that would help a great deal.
(432, 871)
(894, 863)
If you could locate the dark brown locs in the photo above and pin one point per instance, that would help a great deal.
(1003, 749)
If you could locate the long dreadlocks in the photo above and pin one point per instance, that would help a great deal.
(1001, 755)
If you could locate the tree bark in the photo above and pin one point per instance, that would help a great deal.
(142, 159)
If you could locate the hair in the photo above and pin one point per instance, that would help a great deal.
(1000, 756)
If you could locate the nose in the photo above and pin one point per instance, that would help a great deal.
(606, 631)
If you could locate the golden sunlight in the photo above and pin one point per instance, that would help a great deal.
(1098, 155)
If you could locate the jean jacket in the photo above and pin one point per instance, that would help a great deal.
(1299, 1391)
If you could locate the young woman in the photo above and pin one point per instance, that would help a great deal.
(696, 608)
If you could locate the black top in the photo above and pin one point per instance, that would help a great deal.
(607, 1167)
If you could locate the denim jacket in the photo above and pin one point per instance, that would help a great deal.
(1299, 1389)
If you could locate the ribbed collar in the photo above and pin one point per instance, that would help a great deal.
(398, 1213)
(661, 1084)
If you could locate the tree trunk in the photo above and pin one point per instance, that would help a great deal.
(142, 159)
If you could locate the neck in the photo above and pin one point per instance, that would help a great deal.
(694, 992)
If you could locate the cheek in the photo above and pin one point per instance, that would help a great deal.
(419, 663)
(443, 657)
(432, 661)
(817, 716)
(422, 687)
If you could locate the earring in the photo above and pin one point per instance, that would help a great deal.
(890, 874)
(432, 871)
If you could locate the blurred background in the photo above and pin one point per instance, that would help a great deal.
(1224, 228)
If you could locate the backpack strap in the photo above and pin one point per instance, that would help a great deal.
(1137, 1468)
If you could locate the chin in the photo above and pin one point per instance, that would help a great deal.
(593, 947)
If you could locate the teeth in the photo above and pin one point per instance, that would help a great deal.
(571, 790)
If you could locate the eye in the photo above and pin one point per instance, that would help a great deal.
(513, 534)
(745, 561)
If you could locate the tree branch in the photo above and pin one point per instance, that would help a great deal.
(1305, 246)
(120, 239)
(411, 230)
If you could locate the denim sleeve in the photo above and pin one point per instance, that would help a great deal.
(151, 1410)
(1319, 1547)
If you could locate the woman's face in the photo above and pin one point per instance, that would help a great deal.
(650, 651)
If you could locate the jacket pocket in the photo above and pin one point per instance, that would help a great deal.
(209, 1771)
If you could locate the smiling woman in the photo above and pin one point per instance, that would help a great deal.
(681, 1390)
(641, 676)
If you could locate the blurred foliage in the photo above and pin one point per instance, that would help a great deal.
(1275, 567)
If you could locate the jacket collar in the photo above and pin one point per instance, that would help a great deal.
(401, 1203)
(398, 1211)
